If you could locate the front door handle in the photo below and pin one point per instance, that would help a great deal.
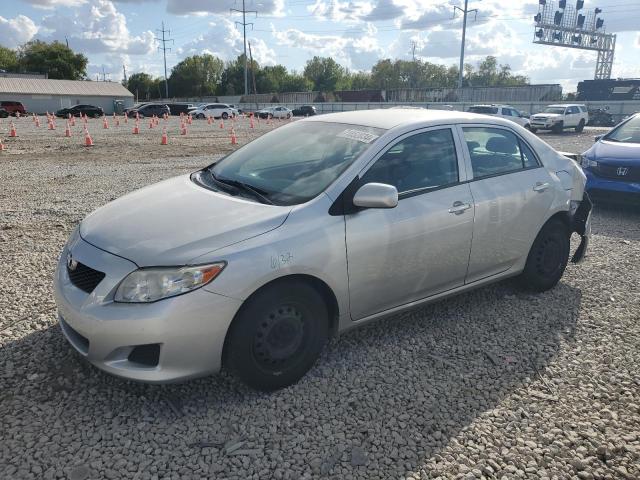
(459, 208)
(540, 187)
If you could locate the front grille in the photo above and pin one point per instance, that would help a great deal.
(611, 171)
(85, 278)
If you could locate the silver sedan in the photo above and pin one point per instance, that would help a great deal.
(322, 225)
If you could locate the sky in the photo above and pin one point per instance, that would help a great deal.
(356, 33)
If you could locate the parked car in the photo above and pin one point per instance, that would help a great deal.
(304, 111)
(560, 117)
(13, 107)
(612, 164)
(243, 264)
(274, 112)
(237, 108)
(81, 109)
(3, 113)
(177, 108)
(149, 110)
(215, 110)
(504, 111)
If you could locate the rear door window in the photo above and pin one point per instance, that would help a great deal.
(496, 151)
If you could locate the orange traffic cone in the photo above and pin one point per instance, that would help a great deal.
(105, 124)
(117, 122)
(88, 141)
(38, 122)
(165, 137)
(67, 130)
(12, 130)
(1, 146)
(136, 128)
(126, 118)
(189, 119)
(251, 122)
(221, 123)
(209, 120)
(73, 120)
(183, 129)
(234, 140)
(51, 125)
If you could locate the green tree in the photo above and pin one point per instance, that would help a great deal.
(144, 86)
(8, 59)
(490, 74)
(198, 75)
(55, 59)
(324, 72)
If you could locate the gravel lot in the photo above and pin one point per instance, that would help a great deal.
(492, 384)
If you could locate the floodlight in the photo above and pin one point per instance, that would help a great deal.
(599, 23)
(598, 10)
(594, 39)
(542, 2)
(580, 22)
(579, 4)
(537, 18)
(576, 38)
(562, 4)
(557, 36)
(557, 18)
(540, 33)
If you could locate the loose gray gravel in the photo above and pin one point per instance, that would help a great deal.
(495, 383)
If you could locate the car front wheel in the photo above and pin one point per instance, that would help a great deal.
(558, 127)
(277, 335)
(225, 115)
(580, 126)
(547, 258)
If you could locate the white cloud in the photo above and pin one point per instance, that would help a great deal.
(51, 4)
(186, 7)
(224, 41)
(16, 31)
(98, 27)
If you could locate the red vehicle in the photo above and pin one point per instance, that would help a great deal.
(13, 107)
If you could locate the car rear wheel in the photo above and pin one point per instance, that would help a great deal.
(288, 116)
(580, 126)
(225, 115)
(200, 116)
(277, 335)
(270, 116)
(547, 258)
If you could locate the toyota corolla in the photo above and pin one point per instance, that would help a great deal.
(319, 226)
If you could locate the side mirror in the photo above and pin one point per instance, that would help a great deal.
(597, 138)
(376, 195)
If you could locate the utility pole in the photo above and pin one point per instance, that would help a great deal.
(253, 75)
(124, 72)
(164, 49)
(244, 24)
(413, 50)
(464, 33)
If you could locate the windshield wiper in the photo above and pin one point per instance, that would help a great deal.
(260, 195)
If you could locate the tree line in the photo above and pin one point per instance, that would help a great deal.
(207, 75)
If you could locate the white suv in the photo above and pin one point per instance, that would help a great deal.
(504, 111)
(215, 110)
(559, 117)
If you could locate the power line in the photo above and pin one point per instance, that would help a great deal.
(244, 24)
(465, 12)
(164, 49)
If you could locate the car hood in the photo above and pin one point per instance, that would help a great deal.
(547, 115)
(175, 221)
(615, 153)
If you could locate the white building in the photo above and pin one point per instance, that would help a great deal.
(44, 95)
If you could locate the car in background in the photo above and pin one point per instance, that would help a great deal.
(215, 110)
(3, 113)
(612, 164)
(13, 107)
(79, 110)
(504, 111)
(237, 108)
(558, 118)
(304, 111)
(177, 108)
(253, 262)
(275, 112)
(149, 110)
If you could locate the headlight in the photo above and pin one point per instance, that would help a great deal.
(150, 284)
(587, 162)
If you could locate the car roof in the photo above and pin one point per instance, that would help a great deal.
(389, 118)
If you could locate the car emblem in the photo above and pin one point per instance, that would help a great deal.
(71, 263)
(622, 171)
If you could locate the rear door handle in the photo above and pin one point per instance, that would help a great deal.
(459, 208)
(540, 187)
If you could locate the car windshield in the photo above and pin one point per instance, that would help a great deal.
(485, 110)
(296, 162)
(558, 110)
(628, 132)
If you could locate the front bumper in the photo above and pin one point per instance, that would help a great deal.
(581, 224)
(610, 190)
(187, 330)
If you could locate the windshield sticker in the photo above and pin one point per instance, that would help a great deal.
(358, 135)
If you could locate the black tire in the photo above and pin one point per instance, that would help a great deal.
(270, 116)
(580, 126)
(277, 335)
(527, 126)
(288, 116)
(547, 258)
(558, 127)
(200, 116)
(533, 129)
(225, 115)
